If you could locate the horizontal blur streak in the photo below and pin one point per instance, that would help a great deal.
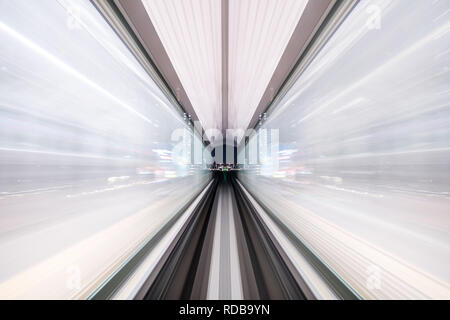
(86, 169)
(364, 171)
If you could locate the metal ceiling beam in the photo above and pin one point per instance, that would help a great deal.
(225, 53)
(136, 15)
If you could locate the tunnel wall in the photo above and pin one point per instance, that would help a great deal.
(87, 168)
(363, 167)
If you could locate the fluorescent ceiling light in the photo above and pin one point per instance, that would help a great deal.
(191, 34)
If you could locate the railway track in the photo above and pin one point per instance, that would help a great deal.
(224, 250)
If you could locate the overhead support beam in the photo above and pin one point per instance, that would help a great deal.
(136, 15)
(225, 54)
(312, 18)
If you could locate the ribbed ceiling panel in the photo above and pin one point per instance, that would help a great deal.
(191, 34)
(259, 31)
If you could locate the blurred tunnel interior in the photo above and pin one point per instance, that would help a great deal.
(224, 149)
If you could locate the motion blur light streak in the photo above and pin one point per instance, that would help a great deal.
(370, 119)
(69, 216)
(110, 189)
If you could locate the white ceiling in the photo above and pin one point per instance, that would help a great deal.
(258, 33)
(191, 34)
